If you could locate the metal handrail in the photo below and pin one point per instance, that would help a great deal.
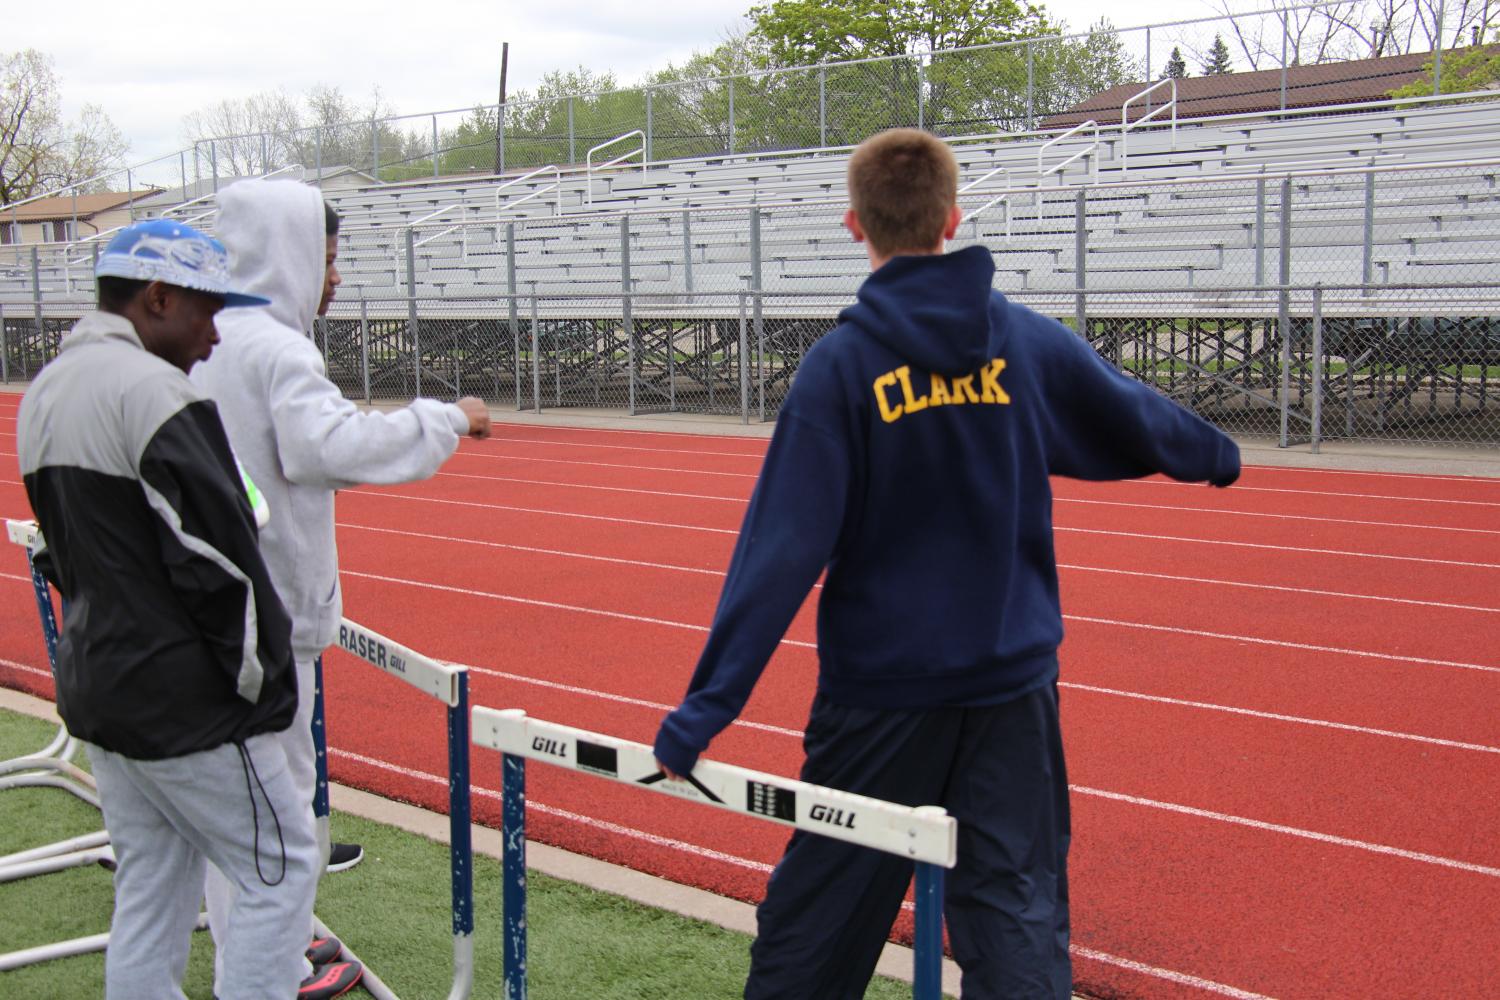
(1126, 124)
(1091, 151)
(589, 159)
(1003, 196)
(556, 186)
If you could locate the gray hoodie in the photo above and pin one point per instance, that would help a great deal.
(292, 429)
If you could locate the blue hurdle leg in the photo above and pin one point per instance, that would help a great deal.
(44, 609)
(513, 836)
(927, 978)
(461, 850)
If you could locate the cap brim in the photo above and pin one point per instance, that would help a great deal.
(233, 299)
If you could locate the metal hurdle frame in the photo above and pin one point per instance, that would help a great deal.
(51, 767)
(925, 834)
(450, 685)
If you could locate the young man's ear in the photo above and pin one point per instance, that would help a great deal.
(954, 217)
(157, 298)
(851, 223)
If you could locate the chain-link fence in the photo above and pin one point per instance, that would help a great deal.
(1294, 364)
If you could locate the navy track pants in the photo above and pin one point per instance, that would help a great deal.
(998, 769)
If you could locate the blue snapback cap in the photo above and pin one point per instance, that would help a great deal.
(175, 254)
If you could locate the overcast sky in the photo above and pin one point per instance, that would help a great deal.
(148, 66)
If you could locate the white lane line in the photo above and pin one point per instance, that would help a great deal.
(1284, 643)
(368, 492)
(656, 840)
(508, 439)
(1301, 550)
(1241, 488)
(553, 605)
(608, 465)
(1144, 626)
(1312, 592)
(1298, 549)
(618, 432)
(590, 486)
(430, 536)
(1281, 517)
(32, 670)
(1180, 978)
(1290, 831)
(1278, 717)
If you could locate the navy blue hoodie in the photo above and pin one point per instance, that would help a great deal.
(911, 460)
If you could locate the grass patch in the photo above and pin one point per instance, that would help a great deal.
(393, 909)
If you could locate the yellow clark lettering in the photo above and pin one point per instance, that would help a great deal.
(913, 404)
(888, 413)
(989, 381)
(939, 394)
(963, 390)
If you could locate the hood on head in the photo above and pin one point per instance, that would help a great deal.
(274, 231)
(932, 310)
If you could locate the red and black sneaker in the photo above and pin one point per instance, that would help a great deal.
(331, 980)
(324, 950)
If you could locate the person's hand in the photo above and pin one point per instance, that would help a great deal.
(478, 414)
(672, 775)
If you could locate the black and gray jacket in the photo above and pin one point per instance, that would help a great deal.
(174, 640)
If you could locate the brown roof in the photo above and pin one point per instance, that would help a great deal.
(1240, 93)
(62, 207)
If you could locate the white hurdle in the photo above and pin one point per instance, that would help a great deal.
(925, 834)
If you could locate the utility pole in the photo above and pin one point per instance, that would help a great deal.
(500, 111)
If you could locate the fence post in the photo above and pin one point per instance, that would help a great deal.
(36, 304)
(1150, 78)
(687, 249)
(515, 321)
(536, 353)
(1080, 260)
(1260, 231)
(647, 143)
(755, 287)
(411, 309)
(921, 92)
(1286, 30)
(213, 163)
(5, 347)
(1437, 54)
(628, 318)
(731, 114)
(1317, 367)
(822, 105)
(500, 136)
(1030, 88)
(1284, 310)
(364, 343)
(1369, 254)
(182, 169)
(374, 148)
(434, 148)
(572, 154)
(318, 156)
(744, 367)
(265, 154)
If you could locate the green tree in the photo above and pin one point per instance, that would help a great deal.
(1217, 63)
(798, 32)
(1474, 68)
(1176, 65)
(39, 150)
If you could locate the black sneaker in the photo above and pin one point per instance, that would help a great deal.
(331, 980)
(344, 856)
(324, 950)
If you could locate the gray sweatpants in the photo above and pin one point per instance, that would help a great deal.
(296, 743)
(165, 819)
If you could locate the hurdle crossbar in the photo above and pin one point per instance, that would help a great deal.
(449, 684)
(925, 834)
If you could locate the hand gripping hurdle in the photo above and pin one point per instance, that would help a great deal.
(450, 685)
(925, 834)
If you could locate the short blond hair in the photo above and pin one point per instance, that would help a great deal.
(903, 184)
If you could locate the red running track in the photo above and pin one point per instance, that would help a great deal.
(1281, 701)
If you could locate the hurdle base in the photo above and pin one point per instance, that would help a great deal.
(68, 949)
(371, 983)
